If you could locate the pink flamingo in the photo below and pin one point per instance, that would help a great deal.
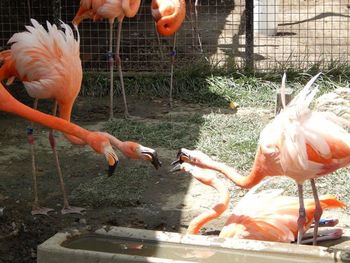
(299, 143)
(169, 16)
(110, 9)
(265, 216)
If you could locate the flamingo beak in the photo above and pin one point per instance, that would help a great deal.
(151, 155)
(182, 156)
(177, 167)
(112, 159)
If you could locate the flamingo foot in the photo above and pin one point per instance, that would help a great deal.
(72, 210)
(37, 210)
(323, 235)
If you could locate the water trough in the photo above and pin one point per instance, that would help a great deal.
(119, 244)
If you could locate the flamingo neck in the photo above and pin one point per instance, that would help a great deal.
(120, 145)
(256, 175)
(11, 105)
(198, 222)
(65, 113)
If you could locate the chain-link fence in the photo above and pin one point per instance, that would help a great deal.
(286, 33)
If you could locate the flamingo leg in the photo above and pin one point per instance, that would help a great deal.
(318, 211)
(173, 55)
(191, 21)
(159, 43)
(196, 25)
(302, 214)
(111, 70)
(67, 209)
(329, 234)
(118, 61)
(36, 209)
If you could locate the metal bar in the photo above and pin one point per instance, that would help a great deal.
(249, 34)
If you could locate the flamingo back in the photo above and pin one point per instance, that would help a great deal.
(48, 62)
(108, 9)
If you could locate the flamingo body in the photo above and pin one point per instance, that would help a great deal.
(47, 62)
(265, 216)
(269, 216)
(168, 15)
(108, 9)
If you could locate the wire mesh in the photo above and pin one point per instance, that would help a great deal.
(287, 34)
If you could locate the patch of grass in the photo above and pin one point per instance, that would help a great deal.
(171, 135)
(121, 190)
(231, 138)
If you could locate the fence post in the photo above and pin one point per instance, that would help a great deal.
(249, 35)
(57, 16)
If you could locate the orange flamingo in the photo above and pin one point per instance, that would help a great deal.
(168, 16)
(299, 143)
(110, 9)
(265, 216)
(48, 64)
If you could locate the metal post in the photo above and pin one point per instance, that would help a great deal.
(249, 35)
(57, 15)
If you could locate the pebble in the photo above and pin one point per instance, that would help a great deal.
(82, 221)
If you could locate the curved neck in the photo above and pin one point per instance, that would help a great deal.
(168, 25)
(65, 113)
(11, 105)
(114, 141)
(257, 173)
(198, 222)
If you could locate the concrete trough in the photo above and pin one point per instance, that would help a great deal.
(119, 244)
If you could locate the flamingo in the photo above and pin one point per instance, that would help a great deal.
(265, 216)
(110, 9)
(299, 143)
(168, 16)
(48, 64)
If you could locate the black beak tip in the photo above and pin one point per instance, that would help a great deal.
(176, 168)
(178, 161)
(156, 163)
(112, 168)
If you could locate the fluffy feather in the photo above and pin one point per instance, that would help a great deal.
(303, 141)
(47, 59)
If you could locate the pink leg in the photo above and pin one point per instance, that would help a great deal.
(111, 71)
(318, 210)
(173, 54)
(302, 215)
(119, 63)
(36, 208)
(67, 209)
(330, 234)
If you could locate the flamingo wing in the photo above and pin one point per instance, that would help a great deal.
(48, 62)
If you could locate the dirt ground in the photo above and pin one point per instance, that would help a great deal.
(168, 203)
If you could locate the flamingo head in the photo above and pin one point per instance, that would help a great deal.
(134, 150)
(101, 144)
(193, 157)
